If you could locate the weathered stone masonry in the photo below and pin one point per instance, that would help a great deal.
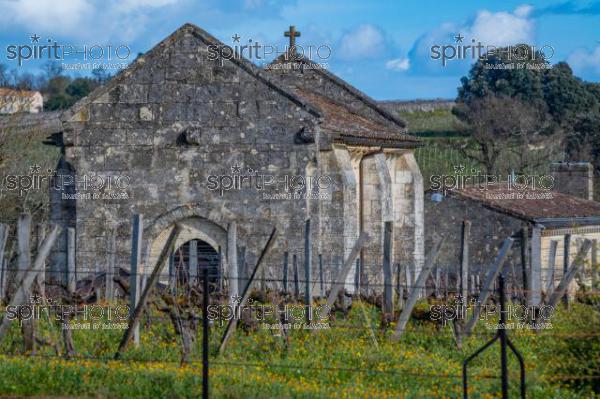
(174, 120)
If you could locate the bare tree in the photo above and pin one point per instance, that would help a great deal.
(499, 126)
(52, 70)
(4, 76)
(23, 157)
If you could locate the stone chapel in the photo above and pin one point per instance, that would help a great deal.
(178, 137)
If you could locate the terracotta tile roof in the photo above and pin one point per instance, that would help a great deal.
(347, 125)
(531, 204)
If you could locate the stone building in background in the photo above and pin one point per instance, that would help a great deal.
(551, 219)
(20, 101)
(574, 178)
(181, 138)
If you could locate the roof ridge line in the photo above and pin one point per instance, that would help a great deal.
(356, 92)
(206, 37)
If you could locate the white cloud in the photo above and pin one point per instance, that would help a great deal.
(488, 28)
(584, 61)
(398, 64)
(131, 5)
(523, 10)
(83, 19)
(57, 16)
(365, 41)
(501, 28)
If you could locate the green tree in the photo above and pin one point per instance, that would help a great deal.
(80, 88)
(566, 96)
(61, 91)
(570, 104)
(485, 78)
(55, 96)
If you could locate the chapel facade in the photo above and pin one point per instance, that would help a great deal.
(215, 145)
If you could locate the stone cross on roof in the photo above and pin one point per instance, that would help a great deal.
(292, 34)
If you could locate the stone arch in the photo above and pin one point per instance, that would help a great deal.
(196, 222)
(189, 261)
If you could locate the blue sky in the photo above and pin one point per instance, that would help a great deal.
(381, 47)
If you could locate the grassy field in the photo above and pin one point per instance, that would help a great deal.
(438, 123)
(24, 159)
(442, 134)
(345, 361)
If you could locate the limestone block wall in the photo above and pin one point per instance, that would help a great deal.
(182, 128)
(348, 196)
(574, 178)
(555, 272)
(332, 244)
(488, 230)
(200, 142)
(388, 188)
(408, 216)
(372, 220)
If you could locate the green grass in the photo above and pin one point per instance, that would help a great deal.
(438, 123)
(342, 361)
(441, 133)
(435, 128)
(20, 154)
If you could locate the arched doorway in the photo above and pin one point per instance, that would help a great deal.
(212, 238)
(190, 259)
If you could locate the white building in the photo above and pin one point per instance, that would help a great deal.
(18, 101)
